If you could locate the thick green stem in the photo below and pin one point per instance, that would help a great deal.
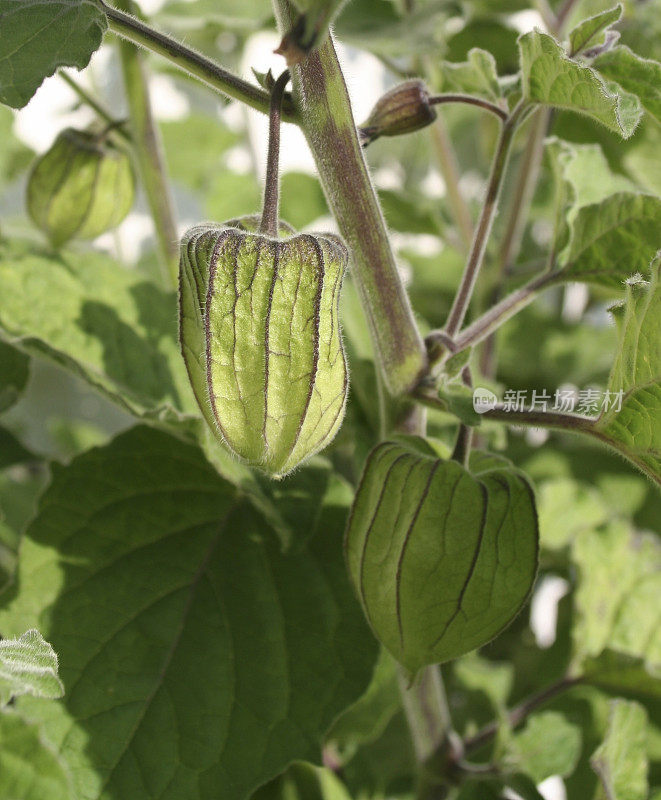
(190, 61)
(325, 112)
(478, 247)
(149, 156)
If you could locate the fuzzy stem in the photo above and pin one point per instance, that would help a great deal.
(492, 319)
(148, 151)
(476, 254)
(190, 61)
(90, 101)
(270, 212)
(327, 120)
(439, 99)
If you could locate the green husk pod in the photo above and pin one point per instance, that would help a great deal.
(442, 558)
(260, 335)
(403, 109)
(83, 186)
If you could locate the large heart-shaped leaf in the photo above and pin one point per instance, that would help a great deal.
(109, 326)
(198, 659)
(442, 559)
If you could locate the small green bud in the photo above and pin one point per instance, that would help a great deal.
(442, 558)
(260, 335)
(82, 187)
(403, 109)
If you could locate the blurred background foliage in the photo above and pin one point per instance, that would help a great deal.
(588, 497)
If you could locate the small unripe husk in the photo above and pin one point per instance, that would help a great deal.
(81, 187)
(403, 109)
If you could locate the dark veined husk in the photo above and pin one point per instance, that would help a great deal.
(260, 335)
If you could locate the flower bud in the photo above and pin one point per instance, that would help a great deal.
(82, 187)
(260, 335)
(442, 559)
(403, 109)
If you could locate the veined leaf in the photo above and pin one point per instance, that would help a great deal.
(28, 665)
(635, 427)
(621, 760)
(613, 239)
(477, 76)
(587, 33)
(551, 78)
(196, 656)
(29, 768)
(640, 76)
(105, 324)
(39, 36)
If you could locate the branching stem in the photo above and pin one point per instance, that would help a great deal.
(190, 61)
(478, 247)
(518, 714)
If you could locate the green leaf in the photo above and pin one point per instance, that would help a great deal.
(617, 594)
(477, 76)
(612, 239)
(493, 678)
(195, 147)
(566, 510)
(304, 782)
(618, 672)
(368, 717)
(621, 760)
(635, 428)
(103, 323)
(29, 768)
(28, 665)
(195, 654)
(587, 34)
(11, 450)
(640, 76)
(442, 559)
(15, 371)
(39, 36)
(302, 199)
(548, 745)
(552, 79)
